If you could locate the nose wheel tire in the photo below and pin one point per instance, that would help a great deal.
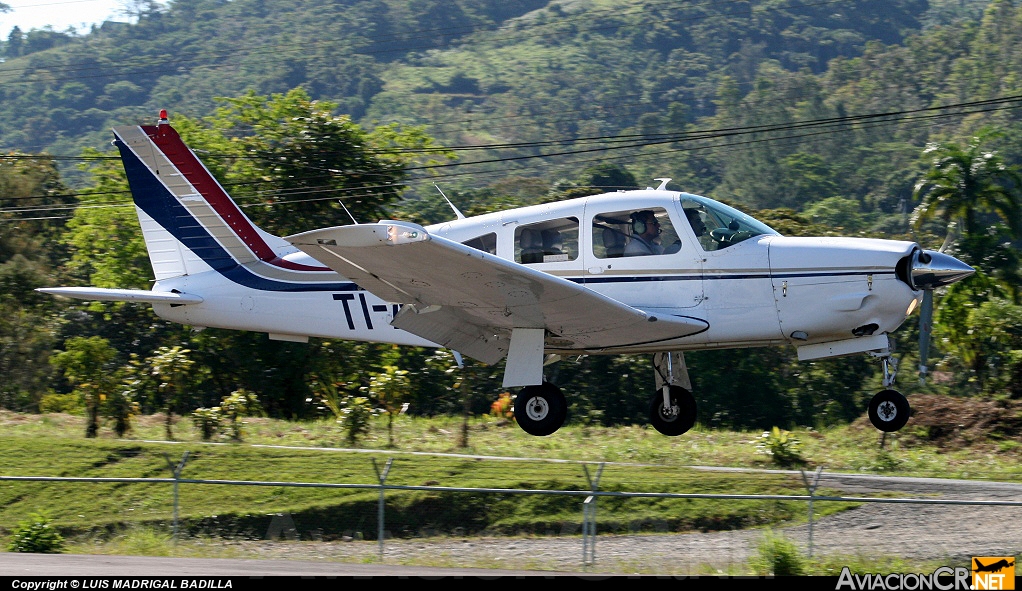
(888, 410)
(679, 417)
(540, 410)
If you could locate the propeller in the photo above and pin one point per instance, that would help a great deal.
(925, 327)
(930, 270)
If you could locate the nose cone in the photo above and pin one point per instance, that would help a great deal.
(932, 269)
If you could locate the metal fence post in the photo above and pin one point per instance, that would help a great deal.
(589, 518)
(176, 471)
(812, 489)
(379, 511)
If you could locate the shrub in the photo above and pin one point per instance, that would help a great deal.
(503, 407)
(778, 556)
(782, 446)
(67, 403)
(240, 403)
(207, 421)
(355, 418)
(224, 419)
(36, 534)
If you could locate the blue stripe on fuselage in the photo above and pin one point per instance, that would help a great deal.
(717, 276)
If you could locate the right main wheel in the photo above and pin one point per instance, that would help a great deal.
(679, 417)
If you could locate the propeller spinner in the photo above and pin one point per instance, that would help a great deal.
(932, 269)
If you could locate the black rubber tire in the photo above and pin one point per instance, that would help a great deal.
(889, 410)
(540, 410)
(679, 422)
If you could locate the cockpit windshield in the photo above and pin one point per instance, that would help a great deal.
(726, 225)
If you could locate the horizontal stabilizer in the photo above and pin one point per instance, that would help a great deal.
(123, 295)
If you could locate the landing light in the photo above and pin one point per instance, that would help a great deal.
(399, 235)
(911, 307)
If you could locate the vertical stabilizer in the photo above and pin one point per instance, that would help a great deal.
(189, 222)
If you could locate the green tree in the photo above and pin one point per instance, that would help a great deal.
(970, 187)
(25, 336)
(980, 332)
(840, 213)
(15, 42)
(171, 366)
(87, 362)
(972, 190)
(390, 389)
(122, 404)
(306, 158)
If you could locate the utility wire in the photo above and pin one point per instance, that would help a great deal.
(794, 131)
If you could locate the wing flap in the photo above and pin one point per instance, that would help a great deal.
(469, 300)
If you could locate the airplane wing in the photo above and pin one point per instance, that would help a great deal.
(470, 301)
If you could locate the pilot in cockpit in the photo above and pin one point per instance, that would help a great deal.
(645, 238)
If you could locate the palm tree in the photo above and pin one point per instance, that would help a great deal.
(963, 184)
(963, 188)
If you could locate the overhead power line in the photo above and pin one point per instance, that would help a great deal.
(705, 139)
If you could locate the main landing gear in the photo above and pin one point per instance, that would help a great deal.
(672, 410)
(540, 410)
(889, 409)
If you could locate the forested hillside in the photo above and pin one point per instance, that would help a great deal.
(569, 68)
(822, 117)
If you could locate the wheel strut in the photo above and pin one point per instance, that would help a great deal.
(890, 365)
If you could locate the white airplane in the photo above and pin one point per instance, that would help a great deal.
(626, 272)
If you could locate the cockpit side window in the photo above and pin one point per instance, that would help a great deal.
(637, 232)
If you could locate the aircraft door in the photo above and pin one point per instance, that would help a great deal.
(643, 256)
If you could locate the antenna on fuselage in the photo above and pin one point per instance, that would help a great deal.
(348, 212)
(460, 215)
(663, 184)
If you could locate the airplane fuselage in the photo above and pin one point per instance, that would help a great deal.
(763, 290)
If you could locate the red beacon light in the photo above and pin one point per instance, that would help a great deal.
(163, 117)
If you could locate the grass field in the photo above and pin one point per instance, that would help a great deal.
(132, 517)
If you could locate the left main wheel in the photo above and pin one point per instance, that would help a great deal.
(888, 410)
(540, 410)
(679, 417)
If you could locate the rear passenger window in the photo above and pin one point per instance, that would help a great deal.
(485, 243)
(550, 241)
